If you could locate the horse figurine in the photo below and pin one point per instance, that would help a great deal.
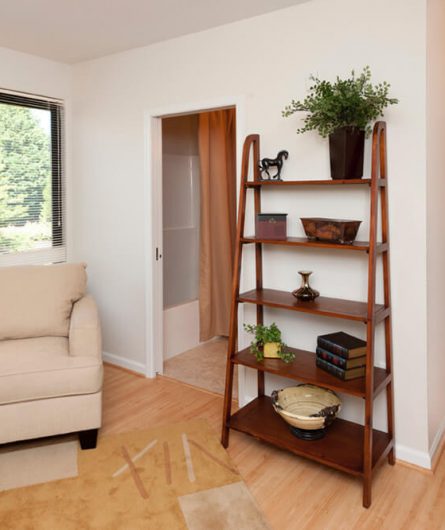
(266, 163)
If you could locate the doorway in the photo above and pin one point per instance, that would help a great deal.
(198, 242)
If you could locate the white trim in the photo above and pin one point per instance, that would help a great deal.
(153, 209)
(380, 364)
(123, 362)
(437, 439)
(191, 107)
(44, 255)
(31, 95)
(413, 456)
(153, 239)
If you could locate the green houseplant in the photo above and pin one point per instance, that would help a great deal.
(343, 110)
(267, 343)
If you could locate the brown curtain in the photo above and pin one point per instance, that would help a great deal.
(218, 220)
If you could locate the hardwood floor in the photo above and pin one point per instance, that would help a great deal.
(292, 492)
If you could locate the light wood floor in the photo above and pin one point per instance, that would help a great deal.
(292, 492)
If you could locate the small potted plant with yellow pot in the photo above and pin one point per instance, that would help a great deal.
(267, 343)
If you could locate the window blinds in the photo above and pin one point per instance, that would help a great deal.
(32, 180)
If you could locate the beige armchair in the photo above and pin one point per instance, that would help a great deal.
(50, 354)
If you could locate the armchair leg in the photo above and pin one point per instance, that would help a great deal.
(88, 439)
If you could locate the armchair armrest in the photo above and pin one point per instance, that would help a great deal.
(85, 337)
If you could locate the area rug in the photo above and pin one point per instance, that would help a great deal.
(167, 478)
(211, 357)
(36, 462)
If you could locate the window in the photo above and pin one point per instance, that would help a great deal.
(31, 180)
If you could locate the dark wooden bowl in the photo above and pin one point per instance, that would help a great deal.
(336, 230)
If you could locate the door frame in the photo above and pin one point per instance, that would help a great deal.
(153, 214)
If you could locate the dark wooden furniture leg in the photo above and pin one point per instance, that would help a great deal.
(88, 439)
(253, 139)
(387, 293)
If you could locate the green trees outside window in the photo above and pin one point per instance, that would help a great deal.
(26, 178)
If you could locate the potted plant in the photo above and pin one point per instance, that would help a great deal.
(267, 343)
(343, 111)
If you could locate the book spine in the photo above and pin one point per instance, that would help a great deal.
(332, 347)
(328, 367)
(330, 357)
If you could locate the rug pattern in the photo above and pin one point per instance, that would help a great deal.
(167, 478)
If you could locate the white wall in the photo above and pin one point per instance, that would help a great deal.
(436, 218)
(27, 73)
(268, 60)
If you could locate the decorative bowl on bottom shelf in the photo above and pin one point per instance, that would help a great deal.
(341, 231)
(308, 409)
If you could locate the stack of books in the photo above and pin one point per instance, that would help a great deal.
(342, 355)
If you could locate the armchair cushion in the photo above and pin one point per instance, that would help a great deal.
(85, 336)
(41, 368)
(37, 300)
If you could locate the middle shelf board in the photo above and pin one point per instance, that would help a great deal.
(331, 307)
(305, 242)
(304, 369)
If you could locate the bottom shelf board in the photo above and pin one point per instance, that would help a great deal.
(341, 447)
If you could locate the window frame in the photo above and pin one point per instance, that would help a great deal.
(56, 118)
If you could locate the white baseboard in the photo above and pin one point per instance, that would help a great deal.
(437, 439)
(413, 456)
(123, 362)
(244, 399)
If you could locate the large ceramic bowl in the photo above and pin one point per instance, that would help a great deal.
(306, 407)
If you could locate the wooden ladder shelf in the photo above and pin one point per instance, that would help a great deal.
(347, 446)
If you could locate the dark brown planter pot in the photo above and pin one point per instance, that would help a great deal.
(346, 149)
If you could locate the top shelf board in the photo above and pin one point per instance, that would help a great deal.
(330, 182)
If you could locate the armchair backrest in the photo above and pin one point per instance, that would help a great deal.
(37, 300)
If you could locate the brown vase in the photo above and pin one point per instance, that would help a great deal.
(305, 292)
(346, 150)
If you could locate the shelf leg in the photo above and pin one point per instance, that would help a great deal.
(252, 140)
(389, 404)
(367, 487)
(369, 406)
(387, 294)
(391, 457)
(389, 387)
(227, 405)
(377, 168)
(261, 384)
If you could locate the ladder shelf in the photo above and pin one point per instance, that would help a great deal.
(347, 446)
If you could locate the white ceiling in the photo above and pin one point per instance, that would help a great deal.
(77, 30)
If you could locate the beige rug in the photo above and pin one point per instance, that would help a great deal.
(37, 462)
(203, 367)
(167, 478)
